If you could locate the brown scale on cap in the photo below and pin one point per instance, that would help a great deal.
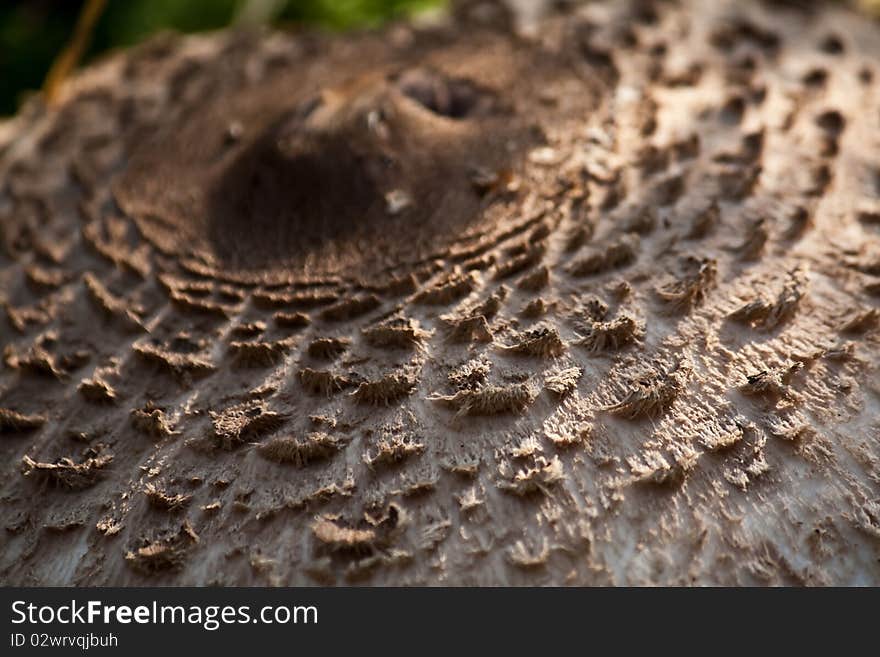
(328, 163)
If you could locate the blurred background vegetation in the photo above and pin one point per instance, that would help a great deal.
(34, 32)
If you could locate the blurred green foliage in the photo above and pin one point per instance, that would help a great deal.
(33, 32)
